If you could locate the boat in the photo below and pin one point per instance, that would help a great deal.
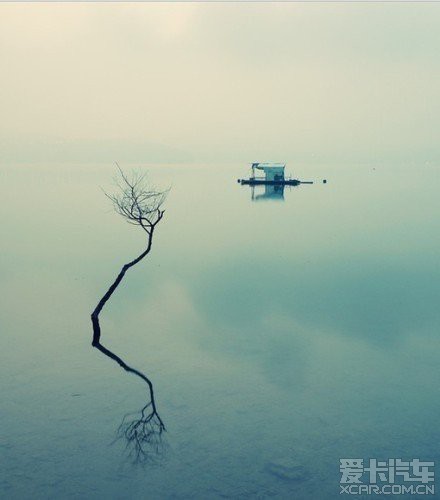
(273, 175)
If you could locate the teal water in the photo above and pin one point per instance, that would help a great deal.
(280, 334)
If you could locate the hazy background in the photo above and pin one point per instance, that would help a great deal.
(220, 82)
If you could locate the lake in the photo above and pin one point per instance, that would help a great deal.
(281, 333)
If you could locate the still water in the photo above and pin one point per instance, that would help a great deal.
(281, 334)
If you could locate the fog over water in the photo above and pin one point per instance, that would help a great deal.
(328, 82)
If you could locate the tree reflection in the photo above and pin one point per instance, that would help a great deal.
(143, 435)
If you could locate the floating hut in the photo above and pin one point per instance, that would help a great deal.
(273, 175)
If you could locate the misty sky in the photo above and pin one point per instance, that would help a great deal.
(215, 82)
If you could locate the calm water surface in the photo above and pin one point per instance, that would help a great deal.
(280, 334)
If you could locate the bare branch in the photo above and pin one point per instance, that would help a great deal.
(136, 201)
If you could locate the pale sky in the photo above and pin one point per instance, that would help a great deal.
(220, 82)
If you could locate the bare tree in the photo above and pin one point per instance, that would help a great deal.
(143, 436)
(141, 206)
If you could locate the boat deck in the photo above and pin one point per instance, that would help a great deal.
(284, 182)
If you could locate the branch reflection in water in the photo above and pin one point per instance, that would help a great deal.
(139, 205)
